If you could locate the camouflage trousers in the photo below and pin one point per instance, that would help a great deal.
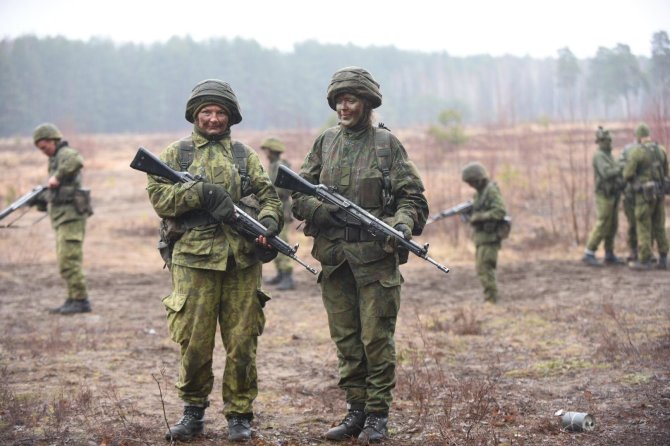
(201, 298)
(284, 263)
(486, 260)
(629, 212)
(650, 224)
(70, 255)
(607, 223)
(362, 324)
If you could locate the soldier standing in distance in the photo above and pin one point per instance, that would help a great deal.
(215, 272)
(68, 206)
(646, 169)
(360, 278)
(628, 204)
(274, 148)
(488, 221)
(609, 184)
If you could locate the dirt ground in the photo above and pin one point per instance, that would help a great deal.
(563, 336)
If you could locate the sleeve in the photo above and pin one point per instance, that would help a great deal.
(631, 166)
(263, 189)
(304, 206)
(408, 191)
(495, 207)
(69, 164)
(605, 168)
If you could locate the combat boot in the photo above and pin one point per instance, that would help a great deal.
(57, 309)
(191, 424)
(374, 429)
(590, 259)
(239, 427)
(640, 266)
(276, 279)
(662, 261)
(611, 259)
(286, 282)
(350, 427)
(76, 306)
(632, 256)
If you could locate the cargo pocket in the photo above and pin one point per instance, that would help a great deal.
(174, 304)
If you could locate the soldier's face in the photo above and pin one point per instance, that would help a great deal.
(212, 120)
(349, 109)
(47, 146)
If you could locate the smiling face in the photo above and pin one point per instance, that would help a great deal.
(349, 109)
(212, 120)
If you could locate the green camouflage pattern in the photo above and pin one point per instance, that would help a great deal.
(488, 208)
(283, 263)
(486, 261)
(200, 298)
(66, 165)
(69, 253)
(209, 246)
(607, 223)
(629, 201)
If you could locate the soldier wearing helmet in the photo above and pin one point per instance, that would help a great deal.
(489, 223)
(215, 270)
(274, 149)
(360, 278)
(68, 206)
(608, 184)
(646, 170)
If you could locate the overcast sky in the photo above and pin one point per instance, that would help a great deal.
(520, 27)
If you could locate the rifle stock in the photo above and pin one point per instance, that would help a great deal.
(288, 179)
(149, 163)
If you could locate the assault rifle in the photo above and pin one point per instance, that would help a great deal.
(462, 209)
(147, 162)
(25, 200)
(288, 179)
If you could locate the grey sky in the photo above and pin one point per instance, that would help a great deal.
(521, 27)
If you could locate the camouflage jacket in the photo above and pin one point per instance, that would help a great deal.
(647, 161)
(607, 174)
(351, 166)
(488, 209)
(66, 165)
(209, 246)
(284, 194)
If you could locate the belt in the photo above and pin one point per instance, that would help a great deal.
(355, 234)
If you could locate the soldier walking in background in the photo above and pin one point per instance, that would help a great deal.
(608, 184)
(646, 170)
(273, 148)
(68, 206)
(489, 224)
(360, 278)
(215, 272)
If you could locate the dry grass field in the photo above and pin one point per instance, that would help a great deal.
(563, 336)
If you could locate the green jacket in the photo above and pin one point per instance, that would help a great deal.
(607, 173)
(284, 194)
(488, 209)
(209, 246)
(350, 164)
(647, 161)
(66, 165)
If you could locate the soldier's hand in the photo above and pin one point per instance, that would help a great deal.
(406, 231)
(271, 226)
(216, 200)
(323, 216)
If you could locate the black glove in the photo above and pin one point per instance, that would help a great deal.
(323, 217)
(216, 200)
(272, 228)
(406, 231)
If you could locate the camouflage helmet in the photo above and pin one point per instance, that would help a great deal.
(603, 135)
(213, 91)
(474, 171)
(642, 130)
(273, 144)
(356, 81)
(46, 131)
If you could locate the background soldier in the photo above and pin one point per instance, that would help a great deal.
(646, 169)
(629, 205)
(489, 224)
(274, 148)
(215, 273)
(68, 206)
(360, 277)
(608, 184)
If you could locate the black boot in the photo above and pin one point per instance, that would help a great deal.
(350, 427)
(276, 279)
(76, 306)
(191, 424)
(57, 309)
(590, 259)
(239, 427)
(611, 259)
(662, 261)
(286, 282)
(640, 266)
(374, 429)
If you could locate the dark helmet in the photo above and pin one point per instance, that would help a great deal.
(356, 81)
(46, 131)
(213, 91)
(603, 135)
(642, 130)
(474, 171)
(274, 144)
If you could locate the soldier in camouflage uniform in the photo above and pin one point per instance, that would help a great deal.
(490, 227)
(646, 169)
(360, 278)
(629, 205)
(609, 184)
(68, 206)
(273, 148)
(215, 272)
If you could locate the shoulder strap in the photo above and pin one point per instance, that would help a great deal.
(383, 152)
(186, 147)
(240, 159)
